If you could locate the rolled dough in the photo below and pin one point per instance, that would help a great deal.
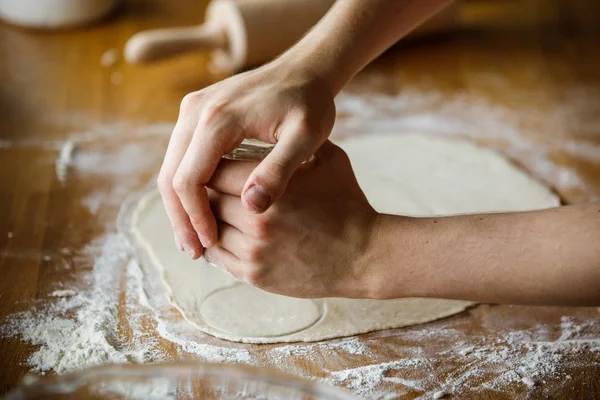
(406, 174)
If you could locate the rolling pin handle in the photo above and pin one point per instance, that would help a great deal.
(156, 44)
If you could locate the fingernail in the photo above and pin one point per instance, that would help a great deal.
(178, 243)
(190, 251)
(206, 242)
(258, 198)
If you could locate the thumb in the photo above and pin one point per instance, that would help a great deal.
(270, 178)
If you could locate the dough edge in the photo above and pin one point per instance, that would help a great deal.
(452, 307)
(300, 336)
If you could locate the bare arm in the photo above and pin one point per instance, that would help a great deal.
(549, 257)
(288, 102)
(353, 33)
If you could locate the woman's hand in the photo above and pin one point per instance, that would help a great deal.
(271, 104)
(313, 242)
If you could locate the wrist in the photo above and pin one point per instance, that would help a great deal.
(395, 265)
(371, 269)
(304, 63)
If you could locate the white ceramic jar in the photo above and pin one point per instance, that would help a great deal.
(53, 14)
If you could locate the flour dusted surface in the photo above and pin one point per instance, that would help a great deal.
(467, 356)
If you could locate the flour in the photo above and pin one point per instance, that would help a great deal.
(524, 357)
(64, 161)
(126, 160)
(417, 109)
(350, 346)
(81, 330)
(109, 58)
(63, 293)
(87, 328)
(365, 380)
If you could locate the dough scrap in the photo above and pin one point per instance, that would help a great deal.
(407, 174)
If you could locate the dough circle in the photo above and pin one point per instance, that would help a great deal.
(245, 310)
(409, 174)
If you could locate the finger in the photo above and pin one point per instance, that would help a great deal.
(270, 178)
(230, 176)
(185, 236)
(211, 140)
(223, 259)
(328, 150)
(229, 209)
(232, 240)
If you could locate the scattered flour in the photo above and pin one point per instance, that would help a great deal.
(64, 161)
(126, 160)
(365, 380)
(97, 324)
(82, 330)
(109, 58)
(464, 115)
(63, 293)
(350, 346)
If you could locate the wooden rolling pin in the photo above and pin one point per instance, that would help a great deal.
(247, 32)
(239, 33)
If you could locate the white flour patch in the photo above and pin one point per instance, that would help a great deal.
(127, 160)
(485, 363)
(63, 293)
(351, 346)
(64, 161)
(81, 330)
(364, 381)
(109, 58)
(97, 200)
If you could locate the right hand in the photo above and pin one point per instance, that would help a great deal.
(271, 104)
(320, 239)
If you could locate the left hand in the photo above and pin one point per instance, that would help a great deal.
(313, 242)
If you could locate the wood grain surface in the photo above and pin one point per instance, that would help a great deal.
(538, 59)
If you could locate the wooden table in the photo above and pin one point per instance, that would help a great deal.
(536, 61)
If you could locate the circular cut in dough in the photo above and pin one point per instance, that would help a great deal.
(244, 310)
(407, 174)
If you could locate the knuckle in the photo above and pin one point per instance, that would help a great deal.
(255, 275)
(262, 226)
(212, 111)
(274, 171)
(163, 182)
(302, 124)
(254, 254)
(182, 183)
(189, 102)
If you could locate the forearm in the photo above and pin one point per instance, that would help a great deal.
(352, 34)
(549, 257)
